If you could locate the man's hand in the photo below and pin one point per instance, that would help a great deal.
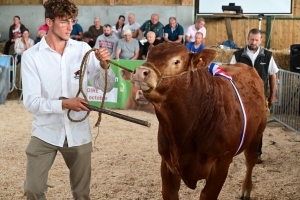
(103, 55)
(74, 104)
(271, 100)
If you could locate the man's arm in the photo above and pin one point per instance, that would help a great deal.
(118, 51)
(272, 83)
(187, 39)
(136, 55)
(179, 39)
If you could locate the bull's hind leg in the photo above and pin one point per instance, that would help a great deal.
(250, 160)
(170, 183)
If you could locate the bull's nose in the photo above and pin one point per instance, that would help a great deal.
(141, 72)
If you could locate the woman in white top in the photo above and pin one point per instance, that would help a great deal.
(22, 44)
(117, 29)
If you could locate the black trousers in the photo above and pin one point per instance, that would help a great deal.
(7, 46)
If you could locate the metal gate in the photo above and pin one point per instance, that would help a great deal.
(287, 110)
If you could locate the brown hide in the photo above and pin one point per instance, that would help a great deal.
(136, 99)
(200, 118)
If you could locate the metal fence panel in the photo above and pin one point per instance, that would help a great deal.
(287, 110)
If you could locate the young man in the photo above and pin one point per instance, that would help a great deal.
(193, 29)
(48, 73)
(108, 40)
(196, 46)
(262, 60)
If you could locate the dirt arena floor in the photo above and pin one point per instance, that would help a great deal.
(125, 161)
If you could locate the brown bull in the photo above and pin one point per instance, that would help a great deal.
(200, 117)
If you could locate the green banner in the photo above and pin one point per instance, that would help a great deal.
(119, 95)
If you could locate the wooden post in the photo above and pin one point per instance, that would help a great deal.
(228, 28)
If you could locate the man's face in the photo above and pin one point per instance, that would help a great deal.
(130, 19)
(128, 37)
(61, 28)
(151, 38)
(97, 22)
(199, 25)
(172, 23)
(154, 19)
(107, 31)
(198, 39)
(254, 41)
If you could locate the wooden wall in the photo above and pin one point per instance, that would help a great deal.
(285, 30)
(104, 2)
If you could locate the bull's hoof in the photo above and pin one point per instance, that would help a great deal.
(244, 198)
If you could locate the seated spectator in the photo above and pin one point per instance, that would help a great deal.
(151, 41)
(43, 30)
(128, 47)
(108, 40)
(173, 32)
(88, 38)
(132, 25)
(77, 32)
(196, 46)
(96, 29)
(152, 25)
(14, 33)
(117, 29)
(197, 27)
(22, 44)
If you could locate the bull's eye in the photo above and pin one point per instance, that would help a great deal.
(177, 62)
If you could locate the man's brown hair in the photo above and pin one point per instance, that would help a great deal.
(60, 8)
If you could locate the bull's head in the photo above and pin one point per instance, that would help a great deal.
(166, 61)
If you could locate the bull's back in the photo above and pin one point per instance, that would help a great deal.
(251, 89)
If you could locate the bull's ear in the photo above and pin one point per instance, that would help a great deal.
(126, 75)
(203, 58)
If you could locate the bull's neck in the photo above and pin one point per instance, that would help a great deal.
(188, 107)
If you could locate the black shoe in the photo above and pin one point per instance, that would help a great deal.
(259, 160)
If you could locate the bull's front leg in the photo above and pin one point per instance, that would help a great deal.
(170, 183)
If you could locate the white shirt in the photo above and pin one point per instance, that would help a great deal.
(191, 31)
(133, 27)
(273, 69)
(46, 76)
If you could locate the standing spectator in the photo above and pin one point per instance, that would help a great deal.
(152, 25)
(128, 47)
(43, 30)
(87, 37)
(132, 25)
(117, 29)
(14, 33)
(108, 40)
(22, 44)
(151, 41)
(197, 27)
(77, 32)
(48, 73)
(262, 60)
(196, 46)
(96, 29)
(173, 32)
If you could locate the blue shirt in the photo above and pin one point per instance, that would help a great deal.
(173, 34)
(192, 48)
(76, 29)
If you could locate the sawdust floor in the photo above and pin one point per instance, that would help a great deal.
(126, 164)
